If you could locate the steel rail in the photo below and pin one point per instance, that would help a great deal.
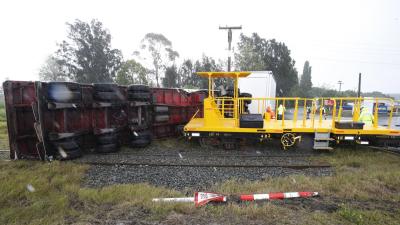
(390, 150)
(183, 154)
(210, 155)
(300, 166)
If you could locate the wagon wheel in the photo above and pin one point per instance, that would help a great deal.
(288, 140)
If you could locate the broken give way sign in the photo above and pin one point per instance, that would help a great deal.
(202, 198)
(199, 199)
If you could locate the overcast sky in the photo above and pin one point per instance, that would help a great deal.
(339, 38)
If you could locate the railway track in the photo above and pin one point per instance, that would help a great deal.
(183, 155)
(390, 150)
(211, 165)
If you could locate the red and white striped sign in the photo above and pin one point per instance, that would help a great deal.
(278, 195)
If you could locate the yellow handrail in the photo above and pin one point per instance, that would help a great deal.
(233, 107)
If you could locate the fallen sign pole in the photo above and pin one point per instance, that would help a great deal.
(199, 199)
(278, 195)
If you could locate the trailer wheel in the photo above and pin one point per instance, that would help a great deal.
(107, 139)
(105, 87)
(107, 148)
(66, 150)
(144, 96)
(71, 154)
(108, 96)
(66, 145)
(140, 143)
(138, 88)
(146, 134)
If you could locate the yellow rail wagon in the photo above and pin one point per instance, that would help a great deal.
(327, 121)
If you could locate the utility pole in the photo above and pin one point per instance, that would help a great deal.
(359, 85)
(230, 41)
(340, 85)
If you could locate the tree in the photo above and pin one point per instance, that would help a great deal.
(51, 71)
(256, 53)
(171, 77)
(87, 55)
(205, 65)
(132, 72)
(305, 80)
(161, 53)
(186, 72)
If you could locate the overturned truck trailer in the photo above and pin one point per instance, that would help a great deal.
(63, 120)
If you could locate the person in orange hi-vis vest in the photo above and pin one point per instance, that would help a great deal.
(269, 114)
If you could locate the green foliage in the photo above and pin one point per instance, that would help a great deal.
(368, 182)
(352, 215)
(188, 78)
(87, 55)
(256, 53)
(3, 128)
(52, 200)
(171, 78)
(51, 70)
(204, 65)
(187, 74)
(327, 92)
(376, 94)
(160, 52)
(305, 81)
(132, 72)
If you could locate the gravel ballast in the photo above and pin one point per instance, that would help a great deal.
(186, 177)
(195, 178)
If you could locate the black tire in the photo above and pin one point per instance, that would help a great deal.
(106, 87)
(246, 95)
(107, 148)
(140, 143)
(108, 96)
(66, 145)
(145, 96)
(230, 92)
(64, 96)
(71, 154)
(161, 109)
(161, 118)
(146, 134)
(107, 139)
(138, 88)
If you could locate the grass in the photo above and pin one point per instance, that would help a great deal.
(364, 190)
(3, 128)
